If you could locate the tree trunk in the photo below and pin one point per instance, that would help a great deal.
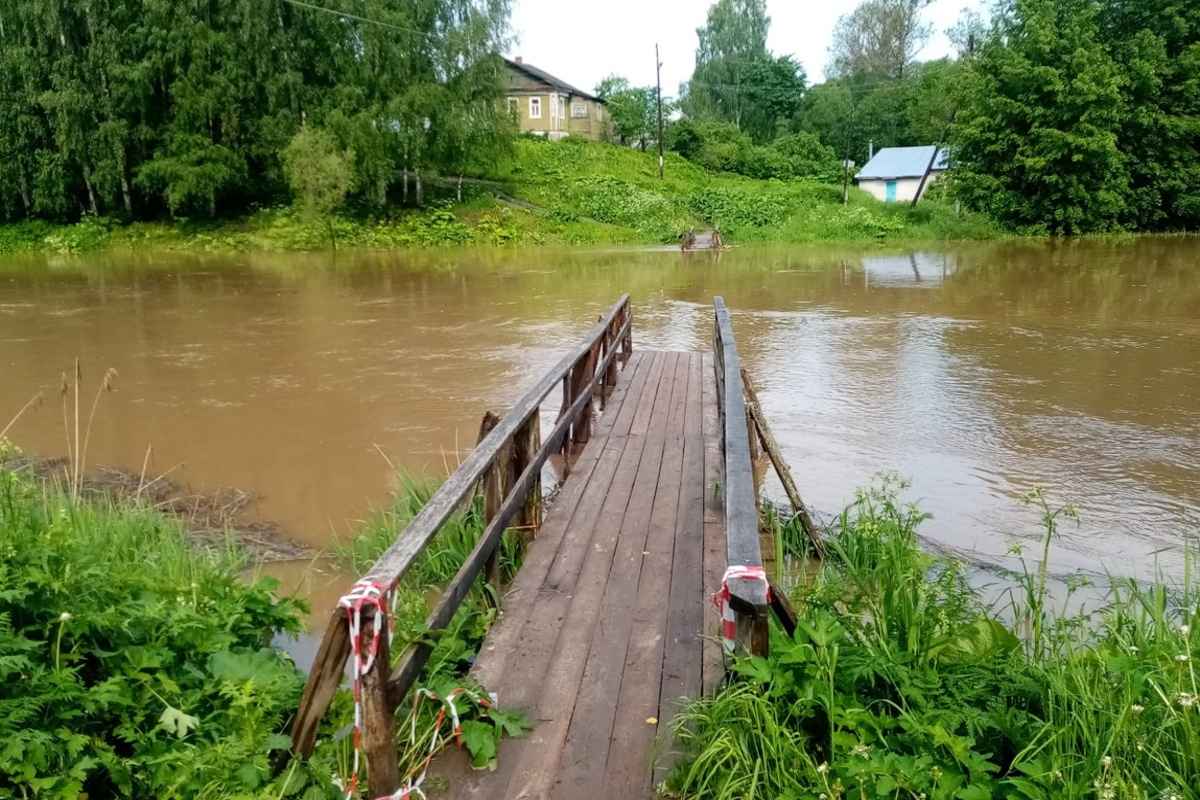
(460, 179)
(87, 181)
(404, 196)
(126, 193)
(420, 190)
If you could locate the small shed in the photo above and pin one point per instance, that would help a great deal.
(894, 174)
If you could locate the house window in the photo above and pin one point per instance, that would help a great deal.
(562, 108)
(578, 110)
(514, 107)
(535, 108)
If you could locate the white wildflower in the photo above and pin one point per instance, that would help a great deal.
(1186, 699)
(1185, 629)
(862, 751)
(64, 616)
(1183, 657)
(1135, 709)
(823, 768)
(1106, 761)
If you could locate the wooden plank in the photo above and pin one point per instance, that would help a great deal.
(504, 638)
(682, 659)
(748, 596)
(714, 529)
(557, 680)
(326, 675)
(635, 724)
(782, 606)
(584, 762)
(516, 658)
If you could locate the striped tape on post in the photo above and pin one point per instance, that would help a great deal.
(721, 600)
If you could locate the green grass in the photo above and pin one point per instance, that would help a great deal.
(132, 664)
(581, 193)
(902, 683)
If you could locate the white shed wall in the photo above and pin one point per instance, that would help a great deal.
(906, 188)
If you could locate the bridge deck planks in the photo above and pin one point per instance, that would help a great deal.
(602, 631)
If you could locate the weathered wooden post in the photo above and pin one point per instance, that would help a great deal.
(493, 493)
(379, 718)
(526, 443)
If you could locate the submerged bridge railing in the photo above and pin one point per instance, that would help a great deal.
(506, 466)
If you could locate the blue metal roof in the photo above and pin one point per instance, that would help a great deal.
(891, 163)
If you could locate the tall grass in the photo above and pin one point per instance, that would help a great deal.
(446, 552)
(902, 683)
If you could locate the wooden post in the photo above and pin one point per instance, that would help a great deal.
(581, 375)
(611, 344)
(492, 496)
(379, 720)
(626, 315)
(526, 443)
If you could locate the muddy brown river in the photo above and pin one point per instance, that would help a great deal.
(976, 371)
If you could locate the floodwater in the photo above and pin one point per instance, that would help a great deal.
(975, 371)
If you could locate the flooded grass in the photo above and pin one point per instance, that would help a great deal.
(902, 683)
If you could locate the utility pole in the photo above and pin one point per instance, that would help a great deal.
(658, 83)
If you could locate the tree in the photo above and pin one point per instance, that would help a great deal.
(634, 111)
(733, 38)
(1036, 144)
(319, 173)
(880, 37)
(142, 107)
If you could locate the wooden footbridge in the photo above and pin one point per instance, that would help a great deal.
(609, 626)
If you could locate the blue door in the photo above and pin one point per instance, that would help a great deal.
(891, 191)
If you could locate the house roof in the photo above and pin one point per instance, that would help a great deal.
(891, 163)
(546, 77)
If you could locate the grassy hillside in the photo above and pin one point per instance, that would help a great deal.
(568, 192)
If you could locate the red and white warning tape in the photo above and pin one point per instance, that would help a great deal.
(721, 601)
(379, 599)
(369, 597)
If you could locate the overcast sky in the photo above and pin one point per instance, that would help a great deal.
(584, 42)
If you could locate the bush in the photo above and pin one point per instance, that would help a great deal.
(132, 666)
(901, 683)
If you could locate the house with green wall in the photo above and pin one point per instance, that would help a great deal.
(551, 107)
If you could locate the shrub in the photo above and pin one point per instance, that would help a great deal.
(901, 683)
(131, 665)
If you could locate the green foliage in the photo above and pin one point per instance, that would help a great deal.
(901, 683)
(1037, 145)
(134, 108)
(132, 665)
(318, 172)
(633, 110)
(721, 147)
(736, 79)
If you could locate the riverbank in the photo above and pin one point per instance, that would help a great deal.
(570, 192)
(139, 662)
(901, 683)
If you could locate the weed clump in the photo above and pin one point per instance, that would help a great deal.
(902, 683)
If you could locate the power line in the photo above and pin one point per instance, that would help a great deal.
(347, 15)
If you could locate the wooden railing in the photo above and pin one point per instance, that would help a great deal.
(506, 465)
(748, 597)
